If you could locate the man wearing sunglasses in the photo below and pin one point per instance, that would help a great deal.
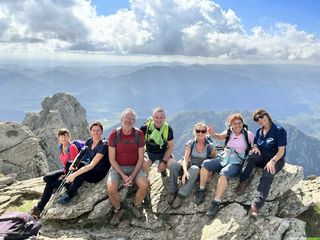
(268, 152)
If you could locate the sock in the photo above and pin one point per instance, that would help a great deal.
(218, 200)
(201, 188)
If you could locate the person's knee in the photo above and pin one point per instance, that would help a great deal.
(112, 188)
(252, 157)
(267, 175)
(194, 170)
(142, 183)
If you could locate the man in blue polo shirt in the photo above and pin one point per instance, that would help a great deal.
(268, 152)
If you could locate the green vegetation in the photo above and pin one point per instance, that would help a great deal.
(25, 206)
(312, 218)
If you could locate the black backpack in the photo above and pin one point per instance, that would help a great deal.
(245, 133)
(18, 225)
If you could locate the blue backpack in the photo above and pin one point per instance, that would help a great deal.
(78, 143)
(209, 142)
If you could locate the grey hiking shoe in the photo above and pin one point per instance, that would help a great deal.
(116, 218)
(136, 210)
(171, 197)
(200, 196)
(178, 201)
(213, 209)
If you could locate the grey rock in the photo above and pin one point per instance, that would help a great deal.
(20, 152)
(60, 110)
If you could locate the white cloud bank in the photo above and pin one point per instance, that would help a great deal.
(151, 27)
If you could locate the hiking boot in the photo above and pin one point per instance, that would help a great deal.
(241, 188)
(64, 199)
(254, 212)
(136, 210)
(35, 212)
(213, 209)
(171, 197)
(200, 196)
(147, 199)
(178, 201)
(164, 173)
(116, 218)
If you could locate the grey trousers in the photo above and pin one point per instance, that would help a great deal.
(176, 170)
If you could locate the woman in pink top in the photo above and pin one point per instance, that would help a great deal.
(237, 143)
(68, 152)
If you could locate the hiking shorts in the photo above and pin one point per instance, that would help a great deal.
(230, 170)
(114, 176)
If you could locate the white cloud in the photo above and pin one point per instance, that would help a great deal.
(155, 27)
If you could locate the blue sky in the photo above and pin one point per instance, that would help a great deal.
(221, 30)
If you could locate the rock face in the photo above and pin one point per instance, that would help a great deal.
(91, 207)
(87, 215)
(20, 152)
(60, 110)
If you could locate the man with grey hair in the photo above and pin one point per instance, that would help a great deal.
(126, 150)
(159, 144)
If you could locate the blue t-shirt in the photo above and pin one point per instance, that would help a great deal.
(276, 137)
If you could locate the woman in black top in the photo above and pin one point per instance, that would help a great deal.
(94, 166)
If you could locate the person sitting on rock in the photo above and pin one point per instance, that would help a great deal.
(198, 149)
(158, 144)
(126, 148)
(268, 152)
(238, 141)
(94, 165)
(68, 152)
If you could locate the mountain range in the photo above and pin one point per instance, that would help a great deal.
(302, 150)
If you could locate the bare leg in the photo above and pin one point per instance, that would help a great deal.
(143, 185)
(114, 197)
(221, 186)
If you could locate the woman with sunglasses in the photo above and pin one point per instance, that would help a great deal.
(227, 164)
(268, 152)
(198, 149)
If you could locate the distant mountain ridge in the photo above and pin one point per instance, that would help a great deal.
(285, 90)
(302, 150)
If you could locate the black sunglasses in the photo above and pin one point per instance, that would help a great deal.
(257, 117)
(201, 131)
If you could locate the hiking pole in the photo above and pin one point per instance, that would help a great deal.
(74, 165)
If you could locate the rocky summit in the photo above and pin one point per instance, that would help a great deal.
(88, 214)
(60, 110)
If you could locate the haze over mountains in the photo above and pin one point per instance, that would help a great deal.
(285, 90)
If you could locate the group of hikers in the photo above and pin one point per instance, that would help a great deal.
(129, 153)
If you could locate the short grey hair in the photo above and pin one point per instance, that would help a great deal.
(128, 110)
(158, 109)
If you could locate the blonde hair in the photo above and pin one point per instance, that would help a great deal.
(202, 124)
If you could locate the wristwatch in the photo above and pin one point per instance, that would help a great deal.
(164, 161)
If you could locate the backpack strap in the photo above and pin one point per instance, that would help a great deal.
(136, 135)
(246, 137)
(192, 145)
(229, 131)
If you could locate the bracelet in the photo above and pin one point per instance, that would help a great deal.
(274, 161)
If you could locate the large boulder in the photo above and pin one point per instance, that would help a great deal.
(91, 207)
(20, 152)
(60, 110)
